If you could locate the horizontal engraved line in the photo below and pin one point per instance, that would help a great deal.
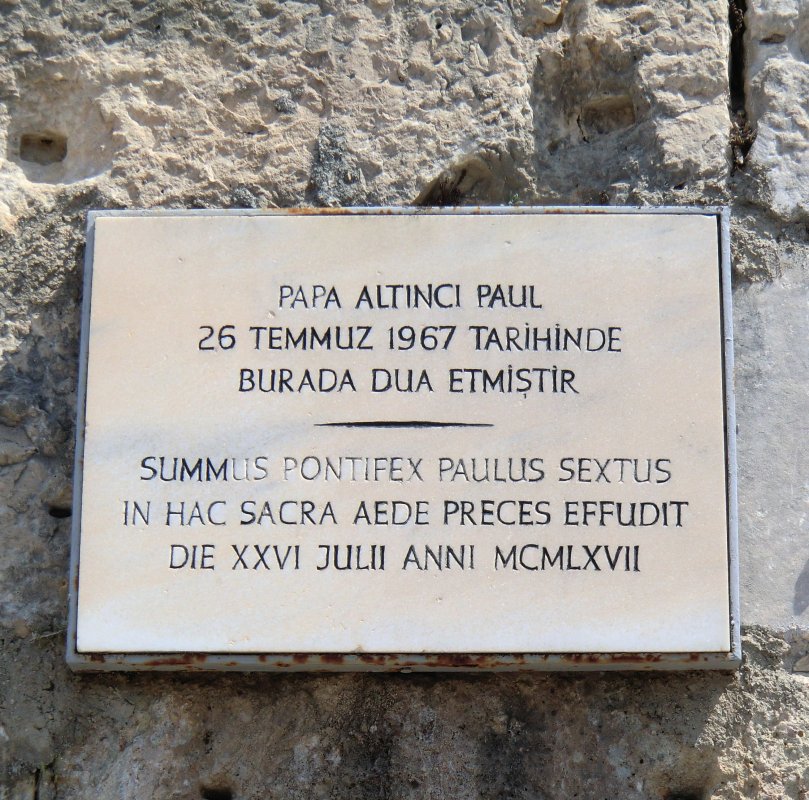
(404, 424)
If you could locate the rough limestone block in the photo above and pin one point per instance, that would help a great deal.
(771, 329)
(778, 104)
(365, 103)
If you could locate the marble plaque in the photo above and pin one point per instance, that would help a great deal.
(403, 433)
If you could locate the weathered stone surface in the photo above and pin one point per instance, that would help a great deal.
(254, 105)
(778, 105)
(630, 736)
(366, 103)
(771, 329)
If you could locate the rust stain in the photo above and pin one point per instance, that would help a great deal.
(375, 660)
(458, 660)
(632, 658)
(580, 658)
(311, 211)
(180, 660)
(317, 211)
(402, 662)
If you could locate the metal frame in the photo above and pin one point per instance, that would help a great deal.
(429, 662)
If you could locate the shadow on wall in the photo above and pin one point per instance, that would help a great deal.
(593, 130)
(369, 737)
(489, 177)
(801, 601)
(602, 125)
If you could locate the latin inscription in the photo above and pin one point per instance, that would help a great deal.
(405, 446)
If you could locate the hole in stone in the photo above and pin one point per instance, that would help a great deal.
(486, 178)
(57, 133)
(59, 512)
(608, 114)
(216, 793)
(445, 190)
(43, 147)
(438, 25)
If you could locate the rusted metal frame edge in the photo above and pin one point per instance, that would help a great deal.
(404, 663)
(315, 211)
(389, 662)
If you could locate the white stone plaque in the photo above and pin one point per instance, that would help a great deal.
(414, 438)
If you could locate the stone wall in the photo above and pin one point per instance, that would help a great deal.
(267, 104)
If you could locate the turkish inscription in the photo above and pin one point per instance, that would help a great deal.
(404, 433)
